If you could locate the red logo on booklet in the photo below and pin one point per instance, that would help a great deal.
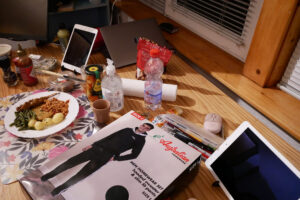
(136, 115)
(176, 153)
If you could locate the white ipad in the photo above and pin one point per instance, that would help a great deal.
(247, 166)
(79, 47)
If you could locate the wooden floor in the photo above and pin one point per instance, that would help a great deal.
(278, 106)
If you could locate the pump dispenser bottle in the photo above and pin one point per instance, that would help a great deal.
(112, 88)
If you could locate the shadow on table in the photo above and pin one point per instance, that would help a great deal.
(184, 86)
(182, 182)
(188, 101)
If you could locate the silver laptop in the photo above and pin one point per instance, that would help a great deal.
(121, 39)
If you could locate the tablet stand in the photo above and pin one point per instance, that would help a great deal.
(216, 184)
(63, 69)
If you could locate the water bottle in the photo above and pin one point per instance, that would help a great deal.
(153, 84)
(63, 35)
(112, 88)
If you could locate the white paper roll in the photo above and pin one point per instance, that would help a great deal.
(135, 88)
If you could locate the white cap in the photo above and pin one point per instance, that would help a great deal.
(110, 68)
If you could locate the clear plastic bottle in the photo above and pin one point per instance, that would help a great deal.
(63, 35)
(112, 88)
(153, 84)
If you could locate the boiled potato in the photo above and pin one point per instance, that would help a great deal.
(57, 118)
(48, 122)
(39, 125)
(31, 123)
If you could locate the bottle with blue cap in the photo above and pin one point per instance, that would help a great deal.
(112, 87)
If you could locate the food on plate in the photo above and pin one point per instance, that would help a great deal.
(31, 123)
(48, 122)
(34, 102)
(56, 106)
(39, 125)
(22, 119)
(50, 107)
(57, 118)
(40, 113)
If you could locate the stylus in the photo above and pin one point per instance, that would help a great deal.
(60, 75)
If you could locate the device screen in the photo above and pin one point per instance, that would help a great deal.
(250, 170)
(79, 47)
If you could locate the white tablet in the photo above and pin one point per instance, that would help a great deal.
(247, 166)
(79, 47)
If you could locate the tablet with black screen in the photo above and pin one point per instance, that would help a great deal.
(79, 47)
(247, 166)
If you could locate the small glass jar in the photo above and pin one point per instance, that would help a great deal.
(9, 77)
(92, 75)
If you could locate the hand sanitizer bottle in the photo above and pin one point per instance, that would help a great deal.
(112, 88)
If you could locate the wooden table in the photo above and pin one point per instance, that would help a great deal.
(278, 106)
(196, 96)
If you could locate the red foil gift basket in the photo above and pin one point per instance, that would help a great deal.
(144, 46)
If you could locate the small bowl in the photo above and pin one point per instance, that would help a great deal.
(5, 49)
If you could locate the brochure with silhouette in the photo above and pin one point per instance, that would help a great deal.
(128, 159)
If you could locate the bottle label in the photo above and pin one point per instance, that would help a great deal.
(28, 75)
(115, 99)
(152, 98)
(32, 73)
(97, 85)
(63, 43)
(17, 70)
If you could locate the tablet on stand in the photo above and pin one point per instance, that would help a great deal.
(79, 48)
